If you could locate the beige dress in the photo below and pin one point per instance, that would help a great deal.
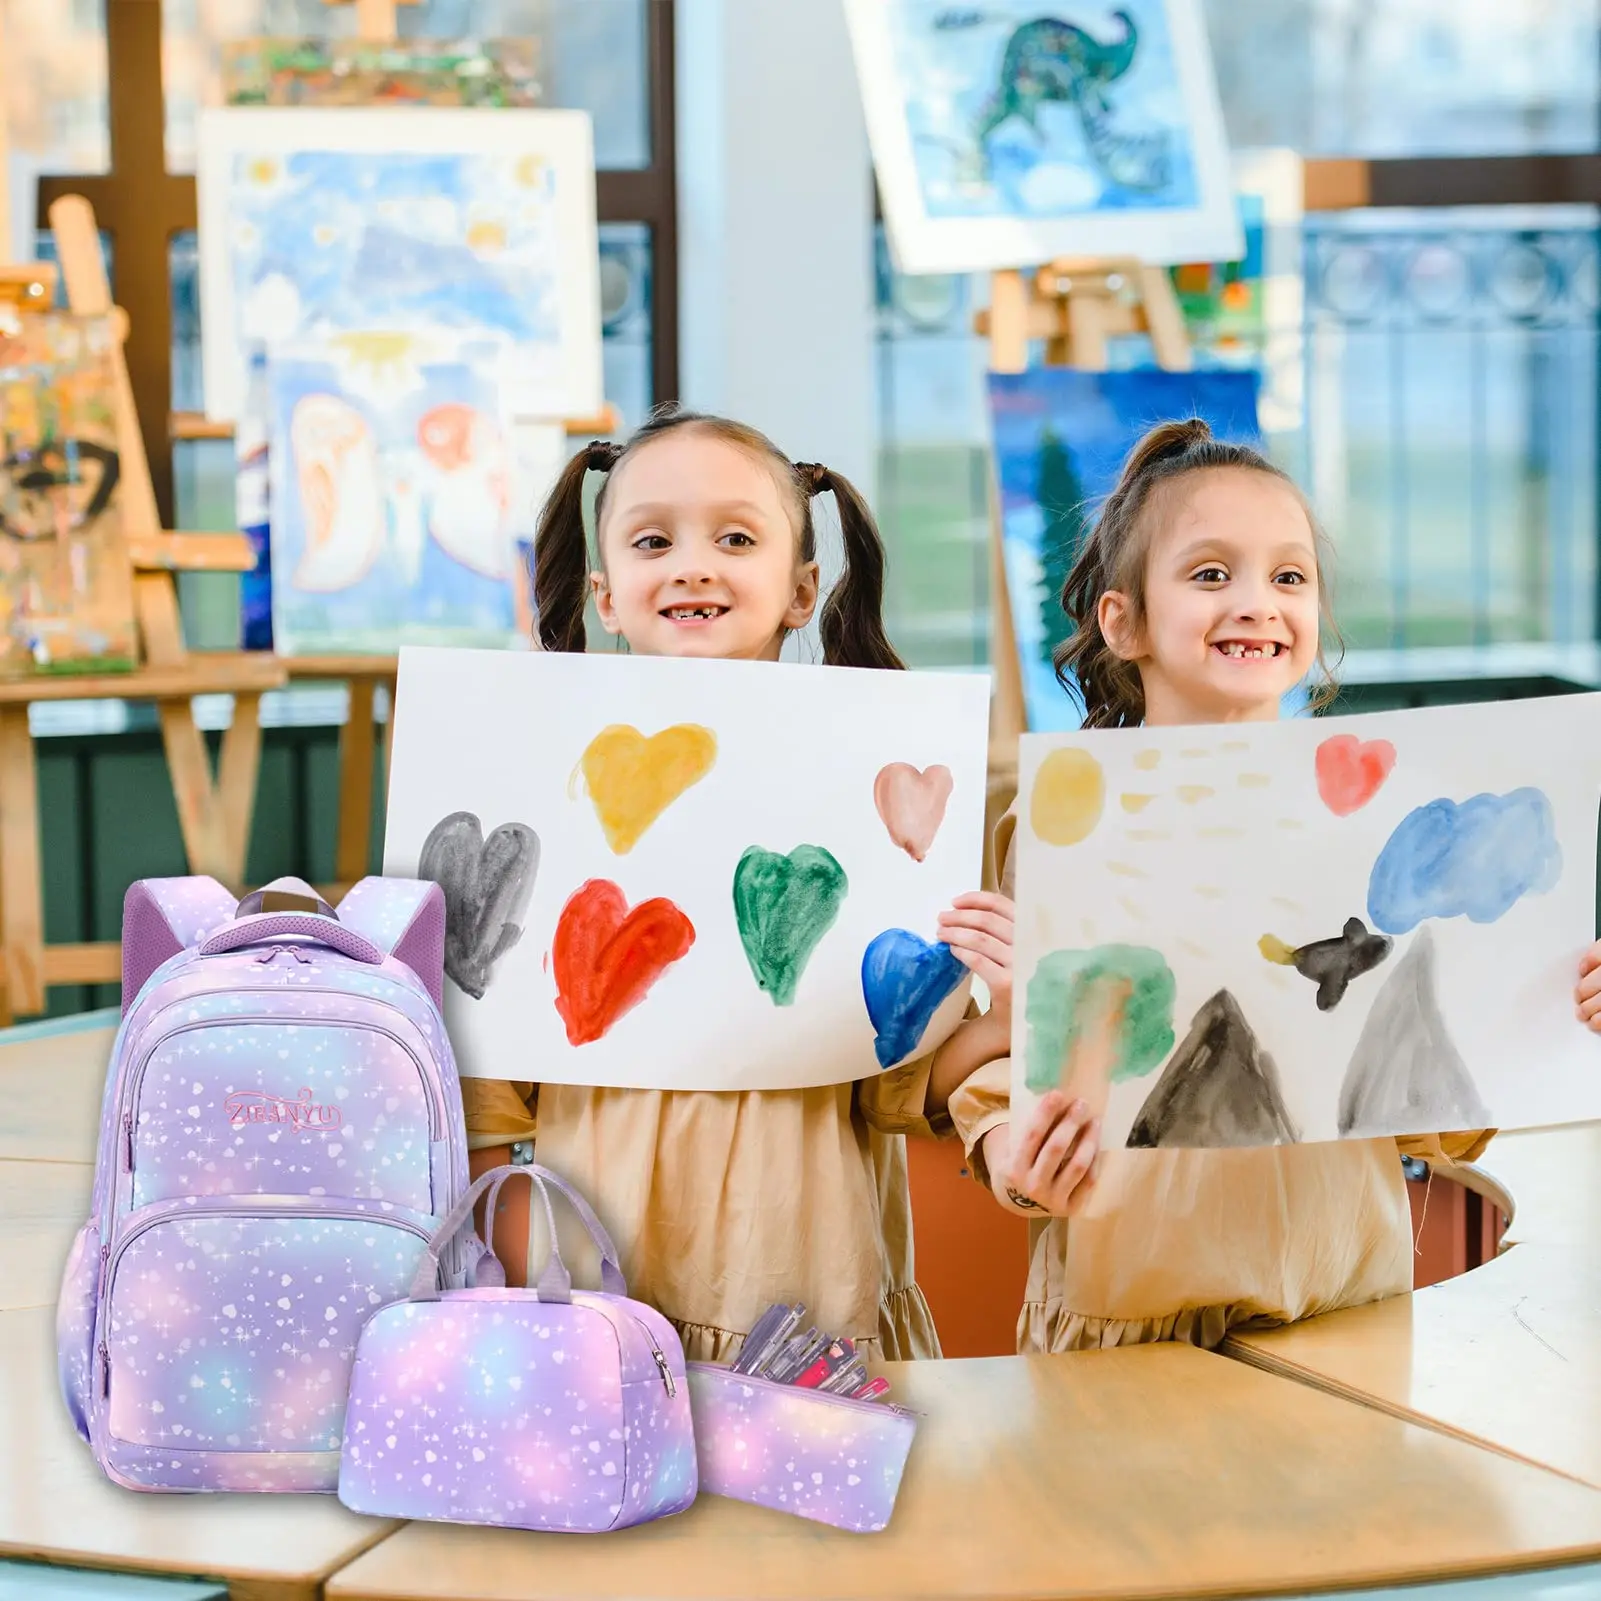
(1188, 1244)
(721, 1204)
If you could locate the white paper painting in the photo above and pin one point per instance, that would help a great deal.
(1009, 133)
(477, 223)
(690, 875)
(1314, 929)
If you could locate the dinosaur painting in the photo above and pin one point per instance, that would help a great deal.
(1049, 60)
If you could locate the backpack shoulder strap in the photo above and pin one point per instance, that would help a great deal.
(404, 917)
(163, 916)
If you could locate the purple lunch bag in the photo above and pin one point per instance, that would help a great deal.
(549, 1408)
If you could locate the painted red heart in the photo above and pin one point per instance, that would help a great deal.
(605, 958)
(1350, 774)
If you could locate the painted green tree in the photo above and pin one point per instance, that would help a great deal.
(1061, 501)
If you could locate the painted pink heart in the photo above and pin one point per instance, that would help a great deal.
(1350, 773)
(912, 804)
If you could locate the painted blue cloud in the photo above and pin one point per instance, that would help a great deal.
(1474, 860)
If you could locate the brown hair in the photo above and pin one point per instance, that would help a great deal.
(852, 625)
(1114, 555)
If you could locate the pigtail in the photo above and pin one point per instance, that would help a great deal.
(561, 554)
(852, 626)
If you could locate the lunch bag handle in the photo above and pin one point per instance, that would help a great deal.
(555, 1283)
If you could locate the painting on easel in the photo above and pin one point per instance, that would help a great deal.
(498, 73)
(1016, 132)
(423, 220)
(66, 583)
(1060, 436)
(393, 473)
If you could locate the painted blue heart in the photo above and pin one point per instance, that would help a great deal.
(904, 980)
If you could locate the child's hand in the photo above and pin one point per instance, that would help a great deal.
(1587, 993)
(1053, 1159)
(978, 929)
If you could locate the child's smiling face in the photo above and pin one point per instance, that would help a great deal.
(1231, 609)
(700, 554)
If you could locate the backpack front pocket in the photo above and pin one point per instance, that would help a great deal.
(241, 1106)
(75, 1316)
(231, 1324)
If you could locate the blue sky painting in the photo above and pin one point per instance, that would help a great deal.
(1060, 436)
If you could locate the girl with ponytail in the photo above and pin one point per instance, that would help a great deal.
(1197, 598)
(704, 544)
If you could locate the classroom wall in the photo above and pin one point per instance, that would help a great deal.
(775, 217)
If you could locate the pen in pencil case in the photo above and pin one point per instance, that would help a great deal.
(797, 1356)
(872, 1390)
(773, 1327)
(836, 1356)
(845, 1380)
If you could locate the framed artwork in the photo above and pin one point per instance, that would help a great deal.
(473, 223)
(1010, 133)
(686, 874)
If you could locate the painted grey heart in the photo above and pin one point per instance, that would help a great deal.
(488, 884)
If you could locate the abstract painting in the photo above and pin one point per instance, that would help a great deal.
(66, 584)
(1248, 313)
(391, 500)
(1060, 437)
(498, 73)
(689, 875)
(1010, 133)
(479, 224)
(1314, 929)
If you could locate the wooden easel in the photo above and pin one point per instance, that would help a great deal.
(214, 812)
(1075, 307)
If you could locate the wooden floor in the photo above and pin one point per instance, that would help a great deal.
(1444, 1435)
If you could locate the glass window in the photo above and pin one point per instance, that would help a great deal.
(593, 56)
(1409, 77)
(1445, 430)
(53, 96)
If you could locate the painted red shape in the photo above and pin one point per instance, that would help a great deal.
(606, 958)
(1350, 774)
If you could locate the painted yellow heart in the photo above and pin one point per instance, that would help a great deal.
(632, 780)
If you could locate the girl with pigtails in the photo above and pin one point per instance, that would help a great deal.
(723, 1203)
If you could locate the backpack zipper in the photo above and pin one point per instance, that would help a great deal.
(656, 1351)
(137, 1077)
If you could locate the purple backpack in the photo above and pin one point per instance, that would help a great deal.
(281, 1134)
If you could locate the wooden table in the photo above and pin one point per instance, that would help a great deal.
(55, 1504)
(1157, 1470)
(1554, 1175)
(1508, 1355)
(52, 1076)
(43, 1204)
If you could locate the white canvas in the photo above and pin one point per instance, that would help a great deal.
(490, 795)
(1234, 860)
(1009, 134)
(476, 222)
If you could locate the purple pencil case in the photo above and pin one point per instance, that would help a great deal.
(830, 1458)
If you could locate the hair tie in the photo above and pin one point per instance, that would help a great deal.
(815, 477)
(600, 455)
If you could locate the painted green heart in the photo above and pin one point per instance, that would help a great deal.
(783, 906)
